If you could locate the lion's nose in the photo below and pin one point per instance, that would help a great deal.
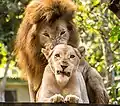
(64, 67)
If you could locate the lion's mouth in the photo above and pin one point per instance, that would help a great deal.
(63, 73)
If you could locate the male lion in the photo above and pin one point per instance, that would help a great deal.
(47, 22)
(62, 80)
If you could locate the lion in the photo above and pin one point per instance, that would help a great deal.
(95, 87)
(62, 81)
(46, 23)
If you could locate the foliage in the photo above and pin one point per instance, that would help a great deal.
(11, 13)
(98, 28)
(93, 18)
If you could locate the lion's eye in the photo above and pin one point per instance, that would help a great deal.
(57, 55)
(72, 56)
(58, 72)
(62, 32)
(46, 34)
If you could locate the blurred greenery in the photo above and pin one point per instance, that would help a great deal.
(99, 30)
(11, 13)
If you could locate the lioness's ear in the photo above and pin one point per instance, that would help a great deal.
(77, 52)
(47, 53)
(81, 49)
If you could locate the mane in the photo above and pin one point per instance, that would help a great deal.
(27, 45)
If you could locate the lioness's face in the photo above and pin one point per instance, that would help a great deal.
(64, 61)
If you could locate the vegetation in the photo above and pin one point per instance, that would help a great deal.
(98, 28)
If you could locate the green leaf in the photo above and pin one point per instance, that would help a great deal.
(114, 38)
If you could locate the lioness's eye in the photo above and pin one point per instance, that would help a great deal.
(57, 55)
(46, 34)
(72, 56)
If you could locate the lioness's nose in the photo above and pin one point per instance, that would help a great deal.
(64, 67)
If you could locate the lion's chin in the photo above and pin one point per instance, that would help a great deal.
(62, 80)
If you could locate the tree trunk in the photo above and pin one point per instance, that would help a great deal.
(3, 83)
(109, 57)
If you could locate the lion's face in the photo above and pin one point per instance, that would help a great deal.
(56, 33)
(64, 60)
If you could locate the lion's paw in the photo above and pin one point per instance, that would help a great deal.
(72, 99)
(57, 98)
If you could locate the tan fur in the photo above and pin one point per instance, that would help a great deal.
(94, 83)
(58, 87)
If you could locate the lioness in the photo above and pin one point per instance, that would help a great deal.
(62, 81)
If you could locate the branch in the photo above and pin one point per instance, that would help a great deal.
(3, 82)
(116, 46)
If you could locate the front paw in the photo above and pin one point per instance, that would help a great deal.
(72, 99)
(57, 98)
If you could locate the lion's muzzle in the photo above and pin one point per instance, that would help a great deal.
(63, 73)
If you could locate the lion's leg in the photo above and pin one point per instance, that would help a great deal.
(96, 83)
(73, 99)
(31, 92)
(57, 98)
(83, 89)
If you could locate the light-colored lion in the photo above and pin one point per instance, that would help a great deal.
(62, 81)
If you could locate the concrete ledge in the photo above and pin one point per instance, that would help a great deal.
(52, 104)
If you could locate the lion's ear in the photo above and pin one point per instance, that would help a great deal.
(47, 53)
(77, 52)
(81, 49)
